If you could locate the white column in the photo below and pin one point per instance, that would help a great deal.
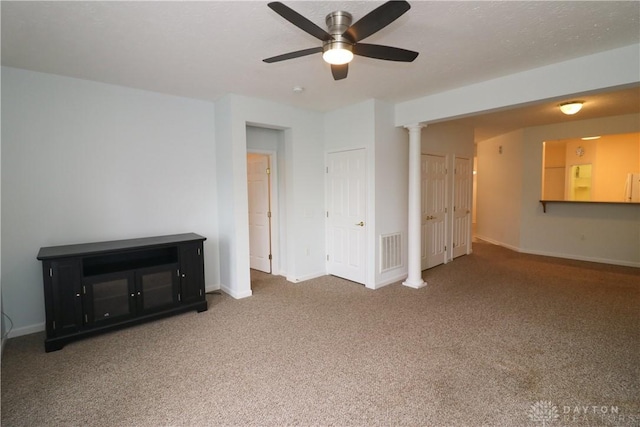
(414, 277)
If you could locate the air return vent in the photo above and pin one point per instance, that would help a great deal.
(390, 252)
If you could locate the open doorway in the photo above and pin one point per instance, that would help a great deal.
(265, 154)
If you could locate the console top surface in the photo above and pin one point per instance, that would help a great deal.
(115, 245)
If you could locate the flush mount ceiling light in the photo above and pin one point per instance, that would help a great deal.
(572, 107)
(337, 53)
(589, 138)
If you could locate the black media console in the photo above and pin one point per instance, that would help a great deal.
(96, 287)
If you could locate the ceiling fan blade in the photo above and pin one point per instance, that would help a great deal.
(376, 20)
(339, 71)
(299, 21)
(291, 55)
(386, 53)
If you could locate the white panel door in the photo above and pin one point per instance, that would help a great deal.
(346, 207)
(462, 206)
(259, 212)
(434, 209)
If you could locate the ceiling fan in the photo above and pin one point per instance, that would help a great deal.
(342, 40)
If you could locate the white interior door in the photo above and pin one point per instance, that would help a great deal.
(346, 207)
(259, 212)
(462, 206)
(434, 209)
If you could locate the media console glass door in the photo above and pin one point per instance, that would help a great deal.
(114, 297)
(109, 298)
(157, 287)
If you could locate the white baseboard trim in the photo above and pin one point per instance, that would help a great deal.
(498, 243)
(212, 288)
(388, 282)
(583, 258)
(39, 327)
(26, 330)
(234, 294)
(562, 255)
(307, 277)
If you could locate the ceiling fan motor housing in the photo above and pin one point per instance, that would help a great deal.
(337, 23)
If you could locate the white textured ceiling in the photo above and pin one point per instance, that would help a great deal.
(210, 48)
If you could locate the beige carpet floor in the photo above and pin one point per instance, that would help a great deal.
(497, 338)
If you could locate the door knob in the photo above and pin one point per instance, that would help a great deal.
(361, 224)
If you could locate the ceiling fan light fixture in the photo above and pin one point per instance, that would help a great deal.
(572, 107)
(337, 53)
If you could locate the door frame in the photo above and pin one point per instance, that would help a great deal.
(274, 206)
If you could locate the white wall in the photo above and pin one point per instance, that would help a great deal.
(605, 70)
(451, 141)
(608, 233)
(391, 188)
(616, 67)
(370, 125)
(349, 128)
(85, 161)
(447, 138)
(228, 156)
(260, 139)
(3, 328)
(303, 151)
(499, 189)
(510, 187)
